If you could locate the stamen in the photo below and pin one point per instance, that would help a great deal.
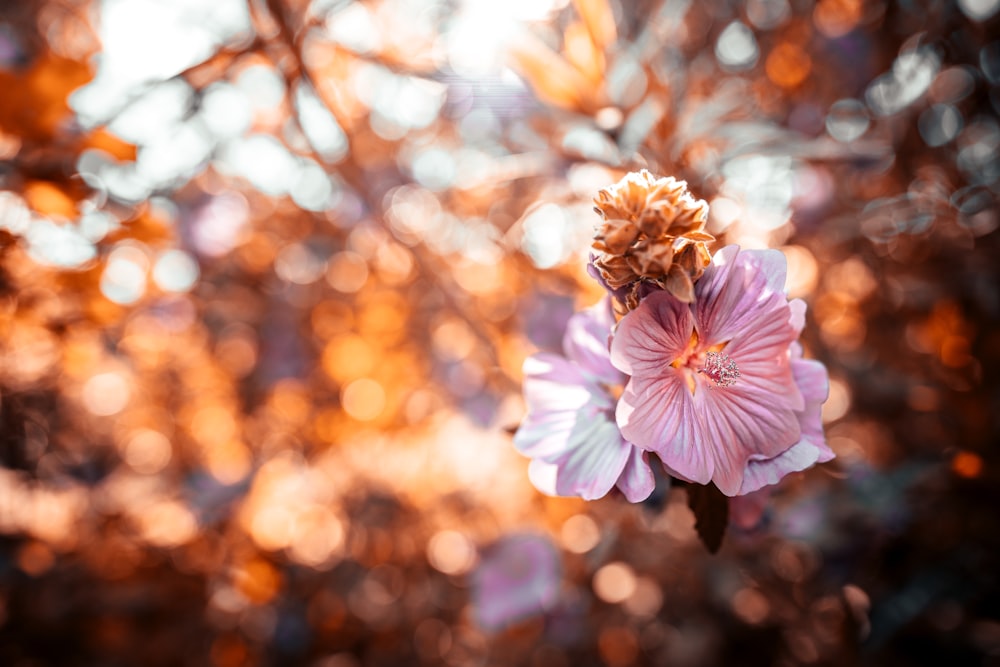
(721, 369)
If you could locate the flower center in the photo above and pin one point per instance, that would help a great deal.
(711, 362)
(721, 369)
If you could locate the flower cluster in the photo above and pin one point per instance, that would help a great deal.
(712, 382)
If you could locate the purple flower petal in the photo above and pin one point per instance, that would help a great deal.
(769, 263)
(811, 377)
(739, 424)
(586, 342)
(637, 480)
(798, 312)
(759, 474)
(733, 298)
(543, 476)
(594, 459)
(658, 414)
(649, 338)
(569, 431)
(556, 392)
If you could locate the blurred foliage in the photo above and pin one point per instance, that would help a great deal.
(268, 272)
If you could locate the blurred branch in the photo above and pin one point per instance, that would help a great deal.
(295, 70)
(211, 68)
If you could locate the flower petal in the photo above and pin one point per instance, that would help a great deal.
(556, 391)
(543, 476)
(812, 380)
(759, 474)
(544, 435)
(757, 323)
(772, 264)
(586, 341)
(740, 423)
(740, 435)
(673, 473)
(740, 291)
(594, 459)
(652, 335)
(553, 383)
(657, 413)
(798, 315)
(637, 480)
(811, 377)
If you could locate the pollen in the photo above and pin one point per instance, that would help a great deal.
(721, 369)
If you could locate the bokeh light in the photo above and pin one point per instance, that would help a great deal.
(269, 272)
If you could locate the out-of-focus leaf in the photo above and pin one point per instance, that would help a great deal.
(583, 53)
(600, 21)
(639, 124)
(552, 78)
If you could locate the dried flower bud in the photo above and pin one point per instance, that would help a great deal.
(649, 258)
(693, 258)
(679, 283)
(615, 270)
(653, 231)
(615, 236)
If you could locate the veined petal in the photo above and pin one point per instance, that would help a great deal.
(550, 434)
(546, 366)
(556, 391)
(759, 331)
(652, 335)
(553, 383)
(772, 379)
(576, 447)
(657, 413)
(753, 420)
(586, 342)
(739, 427)
(544, 434)
(717, 273)
(594, 459)
(812, 379)
(764, 415)
(769, 263)
(763, 333)
(739, 292)
(637, 480)
(759, 474)
(719, 290)
(673, 473)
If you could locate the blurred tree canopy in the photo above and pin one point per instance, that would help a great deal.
(269, 270)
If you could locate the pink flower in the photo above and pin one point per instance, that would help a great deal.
(570, 430)
(718, 387)
(518, 577)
